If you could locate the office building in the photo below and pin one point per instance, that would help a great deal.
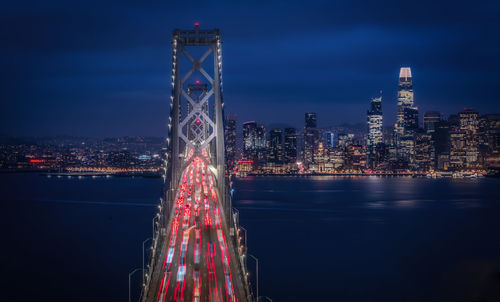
(311, 137)
(230, 141)
(275, 150)
(290, 145)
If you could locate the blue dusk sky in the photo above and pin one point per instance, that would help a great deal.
(102, 68)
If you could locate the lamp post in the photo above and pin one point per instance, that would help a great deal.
(246, 245)
(256, 273)
(237, 214)
(155, 218)
(130, 276)
(143, 258)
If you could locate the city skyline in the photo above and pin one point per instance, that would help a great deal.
(464, 141)
(112, 72)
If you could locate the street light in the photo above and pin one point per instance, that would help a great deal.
(237, 214)
(256, 273)
(154, 218)
(246, 245)
(143, 258)
(130, 276)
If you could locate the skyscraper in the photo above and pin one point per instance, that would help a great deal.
(407, 118)
(442, 143)
(311, 137)
(410, 120)
(469, 124)
(275, 153)
(249, 138)
(230, 141)
(431, 119)
(290, 145)
(375, 122)
(405, 97)
(375, 135)
(254, 142)
(260, 138)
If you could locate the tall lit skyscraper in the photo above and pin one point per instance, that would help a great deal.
(249, 138)
(375, 122)
(375, 134)
(230, 141)
(405, 97)
(311, 137)
(407, 117)
(290, 145)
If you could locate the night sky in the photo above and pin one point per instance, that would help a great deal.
(102, 68)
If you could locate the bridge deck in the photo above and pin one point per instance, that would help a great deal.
(197, 261)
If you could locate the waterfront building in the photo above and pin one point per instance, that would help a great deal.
(275, 146)
(290, 145)
(337, 158)
(230, 141)
(469, 125)
(355, 158)
(489, 140)
(261, 145)
(243, 167)
(311, 137)
(375, 134)
(254, 143)
(458, 154)
(321, 159)
(441, 144)
(424, 151)
(406, 150)
(249, 140)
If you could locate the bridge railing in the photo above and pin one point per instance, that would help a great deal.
(241, 248)
(160, 224)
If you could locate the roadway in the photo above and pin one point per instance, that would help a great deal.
(197, 263)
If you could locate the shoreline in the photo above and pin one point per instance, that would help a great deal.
(50, 173)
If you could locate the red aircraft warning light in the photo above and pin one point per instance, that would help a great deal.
(197, 81)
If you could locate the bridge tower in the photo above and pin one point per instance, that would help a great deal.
(197, 122)
(195, 146)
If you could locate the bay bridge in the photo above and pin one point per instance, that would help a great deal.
(198, 250)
